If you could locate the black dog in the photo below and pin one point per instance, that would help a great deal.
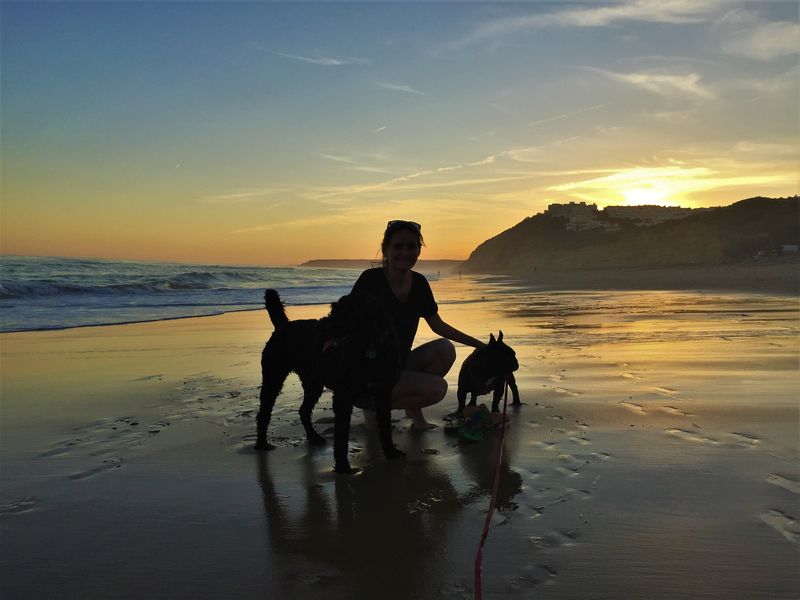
(352, 351)
(488, 369)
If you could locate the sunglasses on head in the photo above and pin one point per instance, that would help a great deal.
(397, 222)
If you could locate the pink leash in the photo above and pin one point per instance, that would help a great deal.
(490, 512)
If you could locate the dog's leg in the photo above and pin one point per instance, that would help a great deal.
(312, 390)
(473, 398)
(383, 412)
(271, 384)
(461, 394)
(512, 383)
(342, 409)
(497, 394)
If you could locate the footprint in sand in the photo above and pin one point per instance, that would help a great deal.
(18, 506)
(634, 408)
(691, 436)
(580, 440)
(550, 446)
(745, 440)
(662, 391)
(555, 539)
(566, 392)
(534, 576)
(109, 463)
(675, 411)
(785, 483)
(784, 524)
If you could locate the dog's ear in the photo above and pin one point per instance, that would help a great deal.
(491, 338)
(500, 338)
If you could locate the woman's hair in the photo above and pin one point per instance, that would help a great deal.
(394, 226)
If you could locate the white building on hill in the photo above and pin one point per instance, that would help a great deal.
(580, 215)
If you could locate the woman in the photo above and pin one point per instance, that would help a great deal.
(407, 296)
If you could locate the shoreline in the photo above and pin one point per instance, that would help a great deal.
(768, 277)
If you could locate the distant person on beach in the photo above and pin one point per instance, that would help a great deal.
(407, 296)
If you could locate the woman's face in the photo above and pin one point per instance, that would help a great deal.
(403, 250)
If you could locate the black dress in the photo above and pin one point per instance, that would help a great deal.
(405, 315)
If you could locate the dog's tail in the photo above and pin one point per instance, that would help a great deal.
(275, 308)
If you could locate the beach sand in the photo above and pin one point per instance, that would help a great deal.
(656, 456)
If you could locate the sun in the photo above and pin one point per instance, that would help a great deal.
(647, 192)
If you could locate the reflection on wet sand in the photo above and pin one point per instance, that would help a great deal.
(381, 529)
(388, 530)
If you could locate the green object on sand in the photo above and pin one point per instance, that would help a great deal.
(475, 426)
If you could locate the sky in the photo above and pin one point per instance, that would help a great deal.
(272, 133)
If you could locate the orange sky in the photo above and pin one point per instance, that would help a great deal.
(296, 131)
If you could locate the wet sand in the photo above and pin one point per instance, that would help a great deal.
(656, 457)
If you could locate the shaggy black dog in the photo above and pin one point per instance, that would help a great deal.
(352, 351)
(488, 369)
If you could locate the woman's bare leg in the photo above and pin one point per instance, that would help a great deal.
(422, 382)
(433, 359)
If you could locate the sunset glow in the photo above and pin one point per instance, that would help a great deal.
(273, 133)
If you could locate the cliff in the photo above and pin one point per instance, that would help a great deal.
(724, 235)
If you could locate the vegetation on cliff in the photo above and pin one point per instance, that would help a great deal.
(744, 230)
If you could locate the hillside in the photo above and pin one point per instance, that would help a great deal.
(725, 235)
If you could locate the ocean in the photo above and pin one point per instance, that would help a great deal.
(39, 293)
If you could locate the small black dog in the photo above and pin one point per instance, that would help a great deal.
(488, 369)
(352, 351)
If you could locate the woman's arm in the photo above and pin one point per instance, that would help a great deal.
(441, 328)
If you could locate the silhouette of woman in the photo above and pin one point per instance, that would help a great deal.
(407, 296)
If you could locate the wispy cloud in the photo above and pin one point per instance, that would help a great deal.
(766, 41)
(241, 197)
(778, 84)
(565, 115)
(769, 149)
(325, 61)
(661, 84)
(398, 87)
(340, 159)
(658, 11)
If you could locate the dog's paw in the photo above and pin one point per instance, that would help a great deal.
(393, 452)
(317, 440)
(344, 468)
(264, 446)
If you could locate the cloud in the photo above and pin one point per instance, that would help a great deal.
(565, 115)
(779, 84)
(340, 159)
(662, 185)
(657, 11)
(661, 84)
(765, 42)
(325, 61)
(770, 149)
(231, 198)
(398, 87)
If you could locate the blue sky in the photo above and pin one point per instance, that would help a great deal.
(270, 133)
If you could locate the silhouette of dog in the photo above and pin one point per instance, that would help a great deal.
(488, 369)
(352, 351)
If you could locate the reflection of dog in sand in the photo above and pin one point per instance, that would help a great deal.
(488, 369)
(352, 351)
